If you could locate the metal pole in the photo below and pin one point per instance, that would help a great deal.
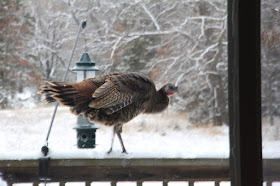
(81, 26)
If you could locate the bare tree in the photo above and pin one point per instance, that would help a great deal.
(50, 38)
(15, 69)
(183, 42)
(270, 51)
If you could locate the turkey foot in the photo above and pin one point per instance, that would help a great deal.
(110, 150)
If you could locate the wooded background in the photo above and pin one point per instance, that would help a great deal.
(181, 42)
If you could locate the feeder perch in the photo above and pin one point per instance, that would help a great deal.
(85, 68)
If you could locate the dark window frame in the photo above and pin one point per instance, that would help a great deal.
(244, 92)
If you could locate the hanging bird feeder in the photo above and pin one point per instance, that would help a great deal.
(85, 68)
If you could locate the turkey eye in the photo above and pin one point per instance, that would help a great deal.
(171, 87)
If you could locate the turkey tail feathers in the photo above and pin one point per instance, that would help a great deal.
(48, 95)
(103, 98)
(66, 94)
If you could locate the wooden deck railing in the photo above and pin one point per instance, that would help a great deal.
(139, 170)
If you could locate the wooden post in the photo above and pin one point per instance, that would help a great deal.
(113, 183)
(244, 92)
(139, 183)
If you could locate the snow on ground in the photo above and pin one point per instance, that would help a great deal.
(271, 139)
(166, 135)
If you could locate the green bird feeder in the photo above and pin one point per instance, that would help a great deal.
(86, 136)
(86, 130)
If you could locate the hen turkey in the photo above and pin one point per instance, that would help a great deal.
(112, 99)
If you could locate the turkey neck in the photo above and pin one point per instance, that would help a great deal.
(158, 102)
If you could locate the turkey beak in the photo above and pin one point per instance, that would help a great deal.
(175, 89)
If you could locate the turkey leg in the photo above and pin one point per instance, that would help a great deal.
(120, 138)
(112, 142)
(117, 130)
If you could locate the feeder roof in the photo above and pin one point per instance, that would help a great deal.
(85, 64)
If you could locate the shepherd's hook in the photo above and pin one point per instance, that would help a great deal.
(82, 25)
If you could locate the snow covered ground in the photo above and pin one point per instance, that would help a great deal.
(167, 135)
